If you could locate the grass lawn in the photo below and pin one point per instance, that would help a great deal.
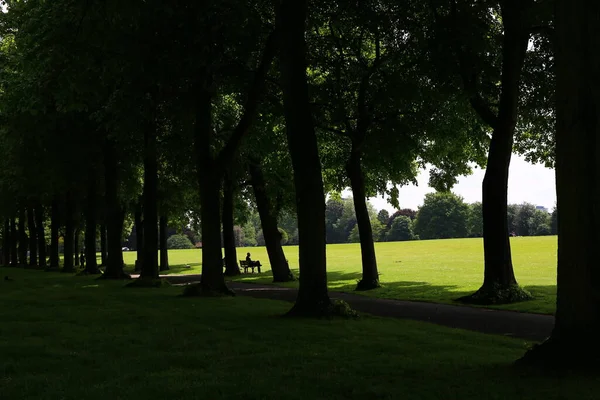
(427, 270)
(66, 337)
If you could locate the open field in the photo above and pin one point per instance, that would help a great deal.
(427, 270)
(66, 337)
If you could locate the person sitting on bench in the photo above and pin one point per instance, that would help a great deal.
(252, 264)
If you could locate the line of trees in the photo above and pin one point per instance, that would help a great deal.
(149, 110)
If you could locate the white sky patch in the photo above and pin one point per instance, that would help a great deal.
(527, 182)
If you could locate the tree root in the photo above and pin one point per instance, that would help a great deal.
(579, 355)
(325, 309)
(199, 290)
(363, 284)
(119, 276)
(86, 272)
(148, 283)
(496, 294)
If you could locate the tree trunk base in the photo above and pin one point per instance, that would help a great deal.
(232, 271)
(366, 284)
(578, 354)
(138, 266)
(288, 278)
(164, 268)
(324, 308)
(497, 294)
(116, 276)
(87, 272)
(200, 290)
(52, 269)
(149, 283)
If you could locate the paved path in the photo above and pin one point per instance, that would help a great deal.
(534, 327)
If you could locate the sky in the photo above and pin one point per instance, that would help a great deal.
(526, 183)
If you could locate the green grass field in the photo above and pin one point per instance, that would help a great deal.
(427, 270)
(67, 337)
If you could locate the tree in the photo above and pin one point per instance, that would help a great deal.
(179, 242)
(475, 220)
(442, 216)
(383, 216)
(401, 230)
(554, 222)
(524, 219)
(313, 298)
(573, 343)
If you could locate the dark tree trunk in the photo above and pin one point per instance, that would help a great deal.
(313, 298)
(268, 221)
(370, 278)
(41, 234)
(76, 247)
(149, 266)
(33, 260)
(54, 227)
(6, 239)
(139, 238)
(23, 242)
(103, 247)
(164, 252)
(500, 285)
(574, 340)
(114, 216)
(209, 181)
(91, 265)
(69, 235)
(14, 240)
(231, 265)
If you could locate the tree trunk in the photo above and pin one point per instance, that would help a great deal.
(14, 240)
(114, 216)
(69, 235)
(231, 264)
(23, 242)
(33, 260)
(500, 285)
(268, 221)
(574, 340)
(149, 266)
(164, 251)
(103, 250)
(6, 243)
(76, 247)
(54, 227)
(139, 238)
(370, 278)
(41, 234)
(209, 183)
(91, 265)
(313, 298)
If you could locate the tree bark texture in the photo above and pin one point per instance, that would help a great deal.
(139, 238)
(6, 243)
(149, 266)
(69, 235)
(103, 247)
(115, 215)
(33, 243)
(268, 221)
(370, 279)
(164, 251)
(76, 247)
(54, 227)
(41, 234)
(23, 240)
(231, 264)
(91, 265)
(313, 298)
(574, 340)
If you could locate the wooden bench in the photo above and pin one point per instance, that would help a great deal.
(245, 265)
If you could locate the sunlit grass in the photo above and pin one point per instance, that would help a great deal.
(427, 270)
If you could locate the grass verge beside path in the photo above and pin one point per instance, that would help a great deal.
(428, 270)
(76, 338)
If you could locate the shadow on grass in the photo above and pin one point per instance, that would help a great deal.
(177, 269)
(544, 300)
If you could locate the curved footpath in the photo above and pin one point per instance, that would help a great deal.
(534, 327)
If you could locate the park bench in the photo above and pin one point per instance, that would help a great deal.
(245, 265)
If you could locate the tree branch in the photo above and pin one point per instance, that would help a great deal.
(252, 102)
